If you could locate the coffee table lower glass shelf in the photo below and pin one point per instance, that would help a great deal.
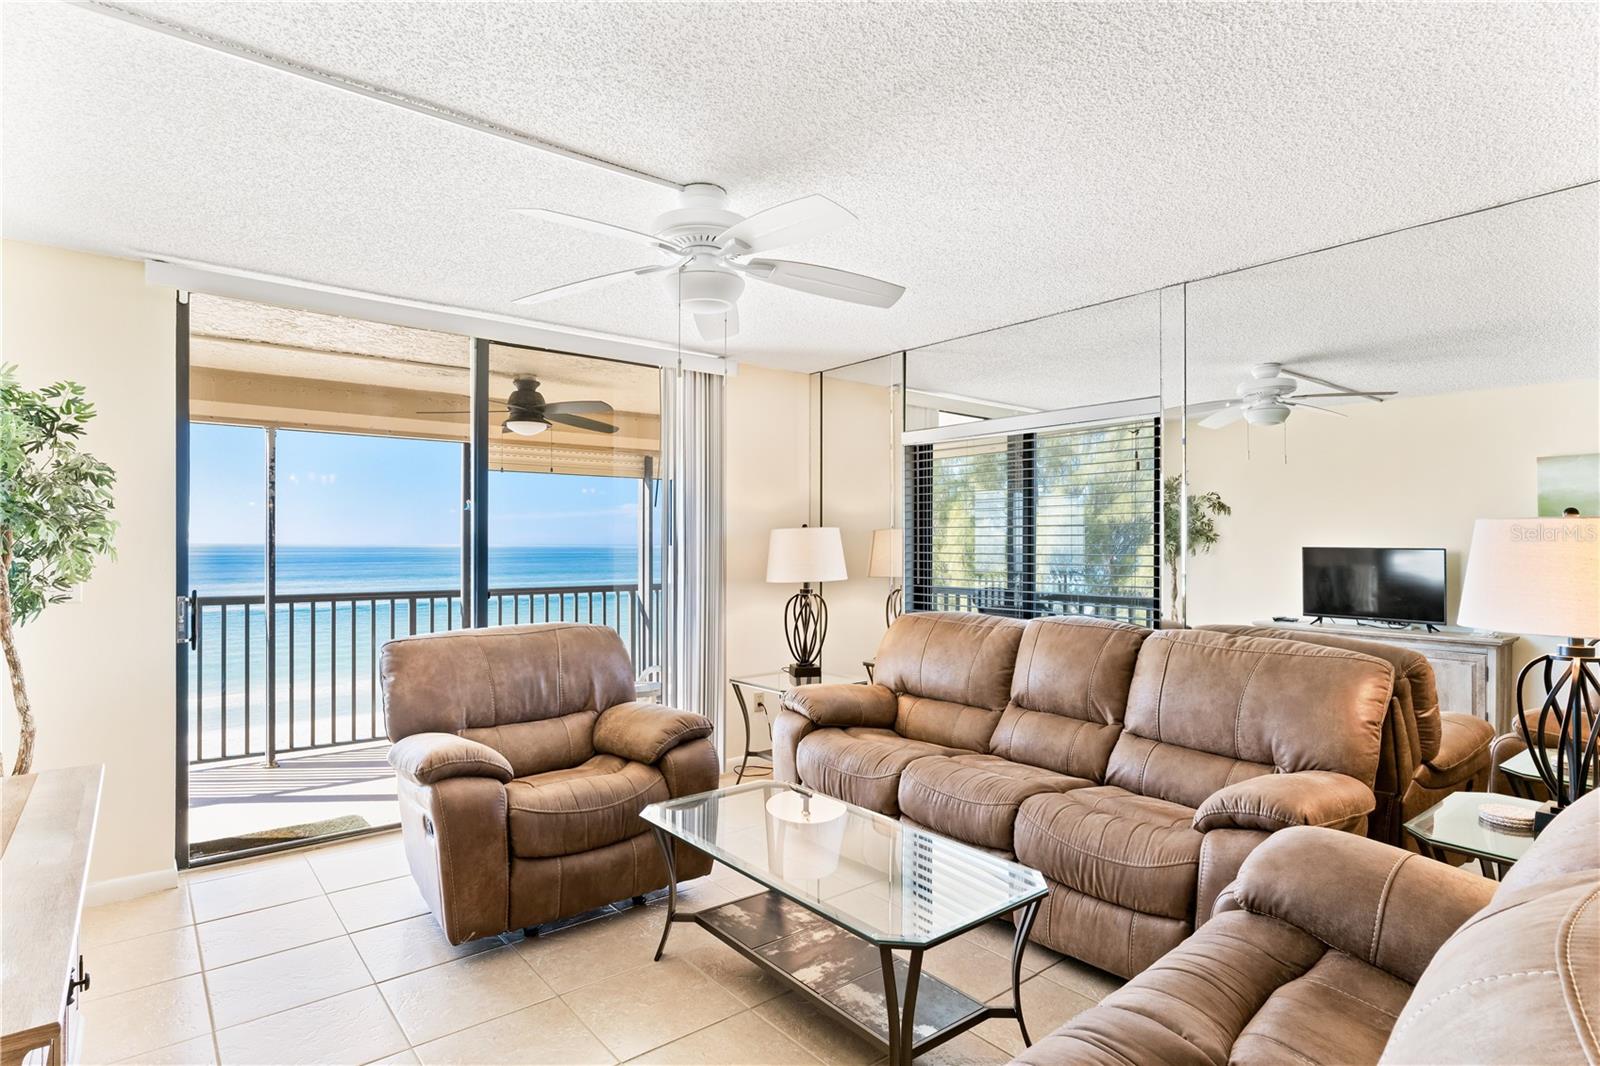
(853, 900)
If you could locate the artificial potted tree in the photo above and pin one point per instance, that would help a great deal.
(1204, 510)
(55, 517)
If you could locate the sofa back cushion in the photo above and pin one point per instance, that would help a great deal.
(1208, 709)
(1526, 967)
(951, 672)
(1415, 687)
(1069, 693)
(508, 687)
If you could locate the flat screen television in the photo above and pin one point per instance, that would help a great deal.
(1382, 584)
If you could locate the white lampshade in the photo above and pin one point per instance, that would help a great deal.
(888, 547)
(1533, 575)
(805, 555)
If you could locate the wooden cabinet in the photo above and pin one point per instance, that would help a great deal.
(46, 829)
(1475, 672)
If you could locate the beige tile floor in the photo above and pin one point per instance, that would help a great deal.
(330, 956)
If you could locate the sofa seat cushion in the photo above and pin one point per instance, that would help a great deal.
(1246, 989)
(862, 766)
(1135, 851)
(974, 798)
(565, 812)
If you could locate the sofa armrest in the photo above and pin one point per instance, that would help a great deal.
(1378, 903)
(844, 705)
(643, 732)
(429, 757)
(1464, 742)
(1276, 801)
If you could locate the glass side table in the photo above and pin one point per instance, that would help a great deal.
(1522, 775)
(1453, 826)
(776, 684)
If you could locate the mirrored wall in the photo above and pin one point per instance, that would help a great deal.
(1378, 395)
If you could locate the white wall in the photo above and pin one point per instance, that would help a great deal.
(1411, 472)
(100, 671)
(859, 460)
(767, 484)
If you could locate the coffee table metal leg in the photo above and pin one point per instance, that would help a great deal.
(1024, 926)
(665, 840)
(908, 1016)
(902, 1015)
(744, 712)
(891, 1004)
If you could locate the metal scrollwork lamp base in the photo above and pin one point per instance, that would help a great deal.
(805, 624)
(1572, 698)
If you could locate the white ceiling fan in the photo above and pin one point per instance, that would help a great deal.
(1269, 396)
(711, 251)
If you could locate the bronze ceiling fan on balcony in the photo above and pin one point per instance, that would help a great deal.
(528, 414)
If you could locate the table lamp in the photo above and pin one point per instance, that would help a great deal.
(1542, 576)
(888, 548)
(808, 554)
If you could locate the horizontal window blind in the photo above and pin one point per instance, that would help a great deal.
(1060, 521)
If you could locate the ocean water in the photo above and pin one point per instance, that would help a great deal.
(336, 608)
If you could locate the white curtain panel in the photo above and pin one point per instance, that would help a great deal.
(692, 660)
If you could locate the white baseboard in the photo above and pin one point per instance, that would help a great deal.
(116, 889)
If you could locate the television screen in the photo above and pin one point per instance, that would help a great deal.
(1389, 584)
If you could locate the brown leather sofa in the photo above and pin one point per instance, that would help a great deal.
(1330, 949)
(523, 760)
(1135, 769)
(1427, 754)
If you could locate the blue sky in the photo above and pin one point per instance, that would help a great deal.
(352, 490)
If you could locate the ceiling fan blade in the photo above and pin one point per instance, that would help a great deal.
(578, 407)
(1333, 395)
(578, 422)
(594, 225)
(1324, 382)
(826, 281)
(809, 216)
(1225, 417)
(1314, 407)
(596, 282)
(717, 328)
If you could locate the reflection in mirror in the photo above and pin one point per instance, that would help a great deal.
(1386, 394)
(575, 527)
(859, 492)
(1031, 467)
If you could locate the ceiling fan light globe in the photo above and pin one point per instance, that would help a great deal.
(1272, 414)
(525, 427)
(708, 292)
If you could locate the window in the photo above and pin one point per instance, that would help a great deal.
(1058, 521)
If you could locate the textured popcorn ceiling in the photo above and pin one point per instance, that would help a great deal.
(1006, 160)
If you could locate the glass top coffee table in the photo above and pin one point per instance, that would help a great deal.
(846, 889)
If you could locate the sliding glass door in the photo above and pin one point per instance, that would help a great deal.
(574, 495)
(349, 483)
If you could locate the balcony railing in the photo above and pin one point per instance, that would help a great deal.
(998, 599)
(325, 673)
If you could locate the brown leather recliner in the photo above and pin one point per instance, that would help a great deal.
(523, 760)
(1333, 949)
(1427, 754)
